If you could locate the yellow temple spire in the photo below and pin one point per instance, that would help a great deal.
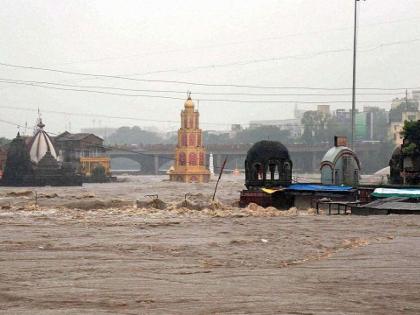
(190, 154)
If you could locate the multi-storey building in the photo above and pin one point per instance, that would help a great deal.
(84, 151)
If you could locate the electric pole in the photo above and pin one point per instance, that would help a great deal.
(353, 99)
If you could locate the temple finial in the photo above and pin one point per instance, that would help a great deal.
(40, 124)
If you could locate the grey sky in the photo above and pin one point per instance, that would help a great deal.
(182, 40)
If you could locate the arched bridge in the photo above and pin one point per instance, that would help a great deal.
(306, 158)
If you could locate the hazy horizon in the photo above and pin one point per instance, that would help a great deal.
(260, 43)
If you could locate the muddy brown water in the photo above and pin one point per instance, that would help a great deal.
(122, 260)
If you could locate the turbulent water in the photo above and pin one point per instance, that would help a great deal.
(110, 249)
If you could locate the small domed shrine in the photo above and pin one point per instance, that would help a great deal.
(340, 165)
(268, 171)
(268, 164)
(190, 154)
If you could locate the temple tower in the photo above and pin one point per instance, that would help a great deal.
(190, 155)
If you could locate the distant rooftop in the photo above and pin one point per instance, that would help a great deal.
(66, 136)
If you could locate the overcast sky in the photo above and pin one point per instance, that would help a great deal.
(282, 43)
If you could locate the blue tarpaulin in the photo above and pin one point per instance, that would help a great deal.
(314, 187)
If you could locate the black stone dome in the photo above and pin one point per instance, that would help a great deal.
(268, 164)
(266, 150)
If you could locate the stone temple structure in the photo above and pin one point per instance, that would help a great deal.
(340, 166)
(267, 165)
(18, 170)
(404, 166)
(38, 164)
(190, 154)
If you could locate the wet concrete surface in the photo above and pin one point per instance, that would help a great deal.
(123, 260)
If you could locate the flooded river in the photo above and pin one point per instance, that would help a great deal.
(108, 249)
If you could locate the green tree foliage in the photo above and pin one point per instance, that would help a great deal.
(315, 126)
(211, 138)
(133, 135)
(248, 135)
(252, 135)
(411, 134)
(320, 127)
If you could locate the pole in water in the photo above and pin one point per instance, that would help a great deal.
(220, 176)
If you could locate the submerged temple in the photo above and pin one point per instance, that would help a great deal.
(405, 161)
(268, 164)
(340, 165)
(36, 164)
(18, 170)
(190, 154)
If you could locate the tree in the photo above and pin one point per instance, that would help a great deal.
(316, 127)
(133, 135)
(411, 134)
(252, 135)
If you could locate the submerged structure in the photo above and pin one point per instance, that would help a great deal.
(18, 170)
(340, 166)
(3, 157)
(190, 154)
(268, 179)
(86, 153)
(267, 165)
(37, 165)
(396, 166)
(405, 161)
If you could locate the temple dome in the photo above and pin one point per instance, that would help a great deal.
(265, 150)
(268, 164)
(41, 144)
(334, 153)
(189, 103)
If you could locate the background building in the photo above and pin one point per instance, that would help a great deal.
(371, 124)
(84, 151)
(402, 110)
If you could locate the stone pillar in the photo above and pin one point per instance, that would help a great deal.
(156, 160)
